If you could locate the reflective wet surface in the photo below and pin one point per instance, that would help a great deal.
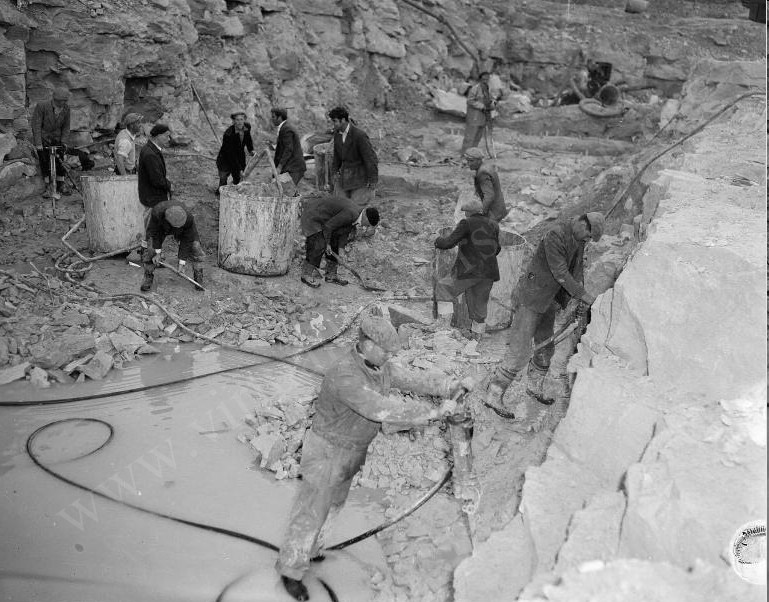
(170, 450)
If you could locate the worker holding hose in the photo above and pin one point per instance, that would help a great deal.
(552, 277)
(352, 405)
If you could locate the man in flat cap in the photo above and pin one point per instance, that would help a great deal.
(475, 269)
(50, 128)
(169, 218)
(154, 186)
(125, 145)
(487, 185)
(554, 275)
(231, 160)
(352, 404)
(289, 157)
(24, 150)
(481, 109)
(355, 166)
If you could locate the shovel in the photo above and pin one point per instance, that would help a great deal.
(366, 285)
(183, 275)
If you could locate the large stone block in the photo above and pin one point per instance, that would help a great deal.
(702, 478)
(509, 553)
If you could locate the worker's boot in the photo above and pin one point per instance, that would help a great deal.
(331, 275)
(309, 275)
(147, 282)
(535, 384)
(477, 330)
(495, 392)
(197, 276)
(295, 588)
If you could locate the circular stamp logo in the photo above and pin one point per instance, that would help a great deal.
(749, 552)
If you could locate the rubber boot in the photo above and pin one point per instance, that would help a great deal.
(197, 276)
(331, 275)
(295, 588)
(309, 275)
(495, 392)
(535, 383)
(147, 282)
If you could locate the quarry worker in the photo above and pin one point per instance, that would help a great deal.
(24, 150)
(481, 109)
(289, 157)
(231, 160)
(172, 218)
(554, 274)
(355, 166)
(475, 269)
(154, 186)
(50, 127)
(125, 145)
(327, 223)
(487, 185)
(352, 404)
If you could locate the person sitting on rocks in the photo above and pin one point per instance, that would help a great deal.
(552, 277)
(327, 224)
(352, 405)
(231, 160)
(487, 185)
(475, 269)
(171, 218)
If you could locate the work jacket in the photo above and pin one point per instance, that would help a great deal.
(327, 215)
(355, 160)
(478, 240)
(555, 271)
(288, 151)
(478, 104)
(158, 227)
(232, 157)
(489, 190)
(49, 129)
(353, 400)
(154, 186)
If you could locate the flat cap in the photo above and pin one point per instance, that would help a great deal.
(382, 332)
(61, 94)
(131, 118)
(159, 128)
(596, 221)
(474, 153)
(176, 216)
(237, 112)
(473, 206)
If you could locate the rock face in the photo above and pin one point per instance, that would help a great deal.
(142, 56)
(662, 454)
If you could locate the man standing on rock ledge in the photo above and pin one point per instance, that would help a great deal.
(355, 165)
(352, 404)
(487, 186)
(553, 275)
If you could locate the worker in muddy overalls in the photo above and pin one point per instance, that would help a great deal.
(552, 277)
(352, 404)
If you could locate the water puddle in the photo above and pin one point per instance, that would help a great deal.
(78, 525)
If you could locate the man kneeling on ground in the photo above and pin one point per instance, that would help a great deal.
(328, 224)
(475, 269)
(352, 405)
(171, 218)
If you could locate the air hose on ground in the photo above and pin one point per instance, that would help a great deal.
(29, 447)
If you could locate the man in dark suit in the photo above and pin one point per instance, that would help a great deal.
(154, 186)
(355, 165)
(327, 224)
(231, 160)
(289, 158)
